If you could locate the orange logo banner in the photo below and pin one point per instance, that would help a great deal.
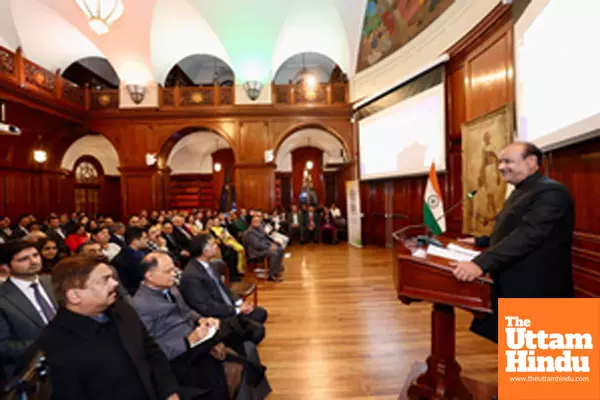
(549, 349)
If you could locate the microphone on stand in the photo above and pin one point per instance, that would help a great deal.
(424, 239)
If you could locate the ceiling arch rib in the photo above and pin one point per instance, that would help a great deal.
(178, 31)
(96, 146)
(312, 26)
(49, 39)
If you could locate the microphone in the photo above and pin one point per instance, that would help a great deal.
(430, 240)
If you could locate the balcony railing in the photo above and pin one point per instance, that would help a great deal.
(29, 76)
(323, 94)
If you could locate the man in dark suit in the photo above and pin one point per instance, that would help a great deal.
(259, 245)
(181, 235)
(295, 225)
(127, 262)
(204, 292)
(5, 231)
(117, 234)
(57, 234)
(312, 225)
(27, 302)
(96, 346)
(20, 230)
(529, 251)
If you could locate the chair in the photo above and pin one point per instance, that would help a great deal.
(242, 289)
(32, 383)
(252, 264)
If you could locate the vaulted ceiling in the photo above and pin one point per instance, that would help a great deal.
(254, 37)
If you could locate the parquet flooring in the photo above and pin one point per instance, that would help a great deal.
(337, 331)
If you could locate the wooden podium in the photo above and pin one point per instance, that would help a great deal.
(430, 278)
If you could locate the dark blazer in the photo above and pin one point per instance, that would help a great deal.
(20, 323)
(60, 242)
(121, 243)
(200, 291)
(128, 266)
(257, 243)
(172, 244)
(529, 252)
(183, 242)
(78, 371)
(18, 233)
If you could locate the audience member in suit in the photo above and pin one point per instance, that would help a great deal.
(328, 228)
(20, 230)
(259, 245)
(128, 261)
(311, 225)
(180, 331)
(27, 302)
(181, 254)
(57, 234)
(205, 293)
(117, 234)
(96, 346)
(295, 225)
(180, 233)
(50, 254)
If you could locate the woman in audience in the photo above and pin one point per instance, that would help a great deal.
(328, 229)
(225, 238)
(50, 255)
(77, 238)
(190, 224)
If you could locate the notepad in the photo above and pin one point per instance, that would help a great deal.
(211, 333)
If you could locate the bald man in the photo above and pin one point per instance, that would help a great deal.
(528, 254)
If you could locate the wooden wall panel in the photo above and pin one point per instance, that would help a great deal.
(254, 185)
(253, 141)
(138, 191)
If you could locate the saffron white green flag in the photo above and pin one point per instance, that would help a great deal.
(433, 209)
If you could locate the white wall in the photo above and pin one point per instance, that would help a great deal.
(96, 146)
(318, 138)
(425, 48)
(193, 153)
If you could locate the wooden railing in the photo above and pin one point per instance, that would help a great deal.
(192, 96)
(323, 94)
(29, 76)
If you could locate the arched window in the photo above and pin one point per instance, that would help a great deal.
(88, 184)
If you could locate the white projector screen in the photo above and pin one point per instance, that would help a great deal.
(404, 138)
(558, 72)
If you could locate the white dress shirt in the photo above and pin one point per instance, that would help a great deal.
(111, 250)
(27, 290)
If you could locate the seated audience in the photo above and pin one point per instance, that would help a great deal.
(57, 234)
(27, 302)
(5, 231)
(77, 238)
(182, 334)
(328, 228)
(295, 223)
(311, 225)
(258, 245)
(20, 230)
(180, 233)
(49, 251)
(128, 261)
(204, 292)
(97, 347)
(117, 234)
(228, 244)
(102, 237)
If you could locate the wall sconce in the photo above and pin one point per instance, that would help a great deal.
(40, 156)
(218, 166)
(253, 89)
(309, 165)
(136, 92)
(150, 159)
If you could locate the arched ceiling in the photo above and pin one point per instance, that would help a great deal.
(96, 146)
(310, 137)
(254, 37)
(192, 154)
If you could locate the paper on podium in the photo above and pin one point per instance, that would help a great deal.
(450, 254)
(460, 249)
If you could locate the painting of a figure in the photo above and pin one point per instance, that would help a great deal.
(390, 24)
(482, 141)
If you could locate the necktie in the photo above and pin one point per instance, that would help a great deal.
(47, 309)
(169, 296)
(224, 294)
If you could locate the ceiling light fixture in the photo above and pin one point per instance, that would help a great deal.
(252, 89)
(101, 13)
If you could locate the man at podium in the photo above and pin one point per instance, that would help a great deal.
(529, 252)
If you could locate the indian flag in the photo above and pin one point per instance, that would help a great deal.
(433, 208)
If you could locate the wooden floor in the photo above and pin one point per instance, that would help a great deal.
(336, 330)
